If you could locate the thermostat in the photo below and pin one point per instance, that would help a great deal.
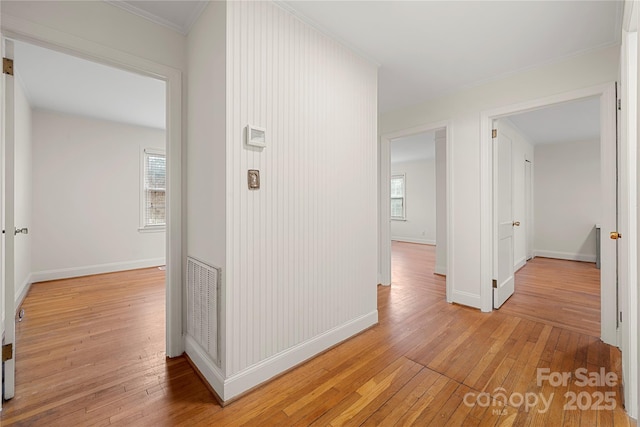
(255, 136)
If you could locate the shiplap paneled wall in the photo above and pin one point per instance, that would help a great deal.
(302, 250)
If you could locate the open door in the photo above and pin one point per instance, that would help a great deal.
(8, 344)
(503, 268)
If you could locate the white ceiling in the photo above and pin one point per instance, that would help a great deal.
(424, 49)
(429, 48)
(60, 82)
(569, 122)
(421, 146)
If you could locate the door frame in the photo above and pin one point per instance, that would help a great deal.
(7, 193)
(607, 95)
(48, 38)
(384, 205)
(629, 145)
(528, 210)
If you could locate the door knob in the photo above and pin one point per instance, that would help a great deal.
(516, 223)
(615, 235)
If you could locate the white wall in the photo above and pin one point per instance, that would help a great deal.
(300, 263)
(567, 194)
(420, 196)
(521, 150)
(206, 126)
(86, 188)
(206, 204)
(441, 202)
(463, 110)
(23, 189)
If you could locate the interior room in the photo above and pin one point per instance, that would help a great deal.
(89, 199)
(557, 199)
(278, 305)
(418, 204)
(78, 123)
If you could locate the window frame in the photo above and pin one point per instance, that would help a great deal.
(144, 227)
(403, 197)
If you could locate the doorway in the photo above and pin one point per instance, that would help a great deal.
(172, 141)
(418, 205)
(561, 144)
(606, 100)
(414, 177)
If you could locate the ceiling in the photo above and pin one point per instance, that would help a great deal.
(569, 122)
(424, 49)
(59, 82)
(421, 146)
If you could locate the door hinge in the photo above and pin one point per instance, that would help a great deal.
(494, 282)
(7, 352)
(620, 317)
(494, 133)
(620, 104)
(7, 66)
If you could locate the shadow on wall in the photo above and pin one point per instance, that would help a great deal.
(589, 246)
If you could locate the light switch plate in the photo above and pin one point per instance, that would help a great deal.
(253, 179)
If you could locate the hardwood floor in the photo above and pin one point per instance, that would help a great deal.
(560, 293)
(90, 352)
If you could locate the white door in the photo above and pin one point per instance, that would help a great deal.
(9, 223)
(503, 269)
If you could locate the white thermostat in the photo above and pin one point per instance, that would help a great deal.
(255, 136)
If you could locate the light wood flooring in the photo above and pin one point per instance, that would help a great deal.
(559, 293)
(90, 352)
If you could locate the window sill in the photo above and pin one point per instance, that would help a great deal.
(156, 229)
(398, 219)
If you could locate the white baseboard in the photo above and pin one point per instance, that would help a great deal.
(381, 282)
(441, 269)
(414, 240)
(257, 374)
(67, 273)
(212, 373)
(20, 296)
(466, 298)
(565, 255)
(520, 264)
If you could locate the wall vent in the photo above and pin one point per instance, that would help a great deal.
(203, 306)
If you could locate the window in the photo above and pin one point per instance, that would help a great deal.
(398, 205)
(154, 187)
